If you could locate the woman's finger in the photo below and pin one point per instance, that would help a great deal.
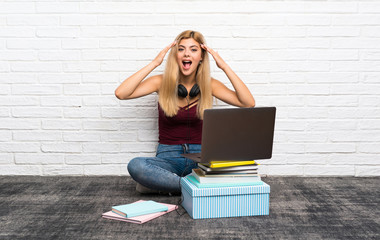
(170, 46)
(219, 61)
(210, 50)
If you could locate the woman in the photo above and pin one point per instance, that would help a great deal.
(185, 90)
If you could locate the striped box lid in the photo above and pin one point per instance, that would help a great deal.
(194, 191)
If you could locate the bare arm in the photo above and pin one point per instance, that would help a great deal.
(134, 86)
(241, 97)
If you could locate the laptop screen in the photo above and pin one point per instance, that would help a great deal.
(238, 134)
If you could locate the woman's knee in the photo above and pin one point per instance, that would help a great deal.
(136, 166)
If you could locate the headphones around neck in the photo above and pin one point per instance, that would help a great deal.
(182, 91)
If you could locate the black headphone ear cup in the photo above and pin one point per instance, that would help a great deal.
(194, 91)
(182, 91)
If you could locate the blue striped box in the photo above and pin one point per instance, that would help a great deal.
(225, 201)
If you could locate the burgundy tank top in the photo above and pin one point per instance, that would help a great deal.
(185, 127)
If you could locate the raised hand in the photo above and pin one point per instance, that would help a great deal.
(219, 61)
(160, 57)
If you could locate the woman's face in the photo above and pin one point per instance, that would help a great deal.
(188, 56)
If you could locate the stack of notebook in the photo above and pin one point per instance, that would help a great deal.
(225, 174)
(139, 212)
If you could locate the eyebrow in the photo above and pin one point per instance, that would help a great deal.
(190, 46)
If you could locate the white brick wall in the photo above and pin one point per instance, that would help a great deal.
(318, 62)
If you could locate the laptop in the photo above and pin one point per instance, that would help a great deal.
(236, 134)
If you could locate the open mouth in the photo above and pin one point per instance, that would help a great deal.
(186, 64)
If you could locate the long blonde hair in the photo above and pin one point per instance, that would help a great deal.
(168, 97)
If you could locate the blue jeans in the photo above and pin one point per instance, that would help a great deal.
(164, 172)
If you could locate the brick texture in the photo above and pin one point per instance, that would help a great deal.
(318, 62)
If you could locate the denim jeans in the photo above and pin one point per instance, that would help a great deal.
(164, 172)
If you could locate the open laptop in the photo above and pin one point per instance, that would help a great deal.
(236, 134)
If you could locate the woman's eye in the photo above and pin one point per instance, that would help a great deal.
(194, 50)
(180, 49)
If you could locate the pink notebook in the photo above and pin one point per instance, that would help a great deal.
(139, 219)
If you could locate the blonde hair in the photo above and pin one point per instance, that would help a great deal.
(168, 97)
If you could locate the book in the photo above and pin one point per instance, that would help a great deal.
(225, 178)
(225, 173)
(139, 208)
(139, 219)
(228, 169)
(219, 164)
(193, 180)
